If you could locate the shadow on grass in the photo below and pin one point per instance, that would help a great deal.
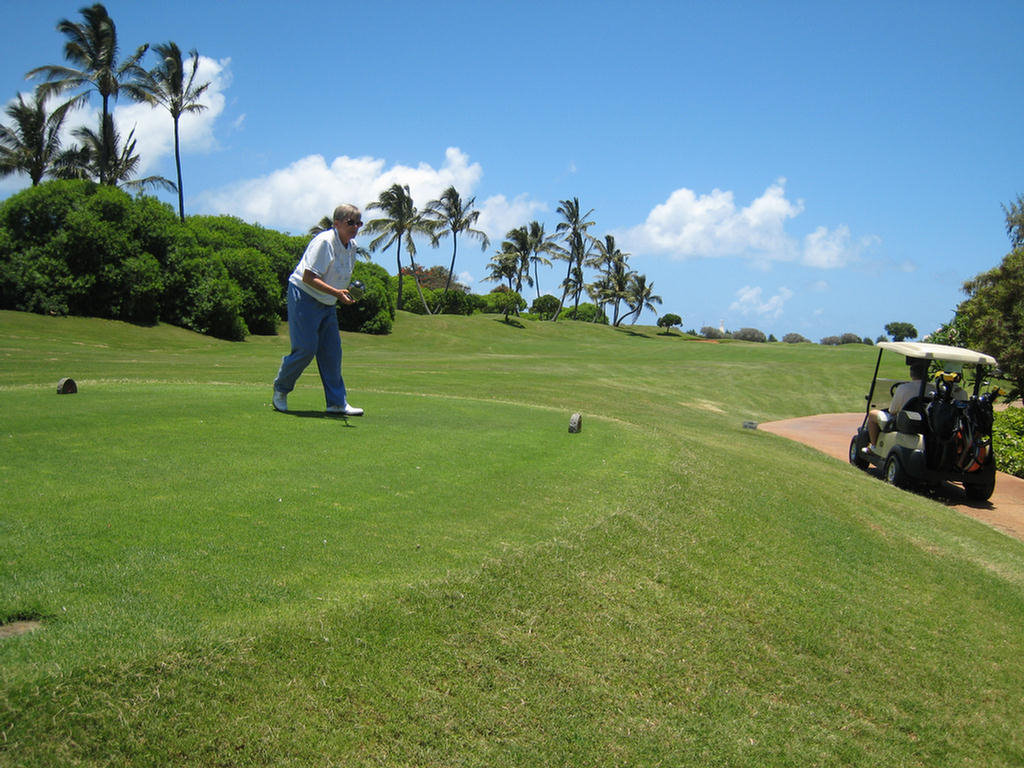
(631, 332)
(511, 322)
(317, 415)
(947, 493)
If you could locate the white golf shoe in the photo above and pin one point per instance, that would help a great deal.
(345, 410)
(280, 401)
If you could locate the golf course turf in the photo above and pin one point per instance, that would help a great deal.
(455, 579)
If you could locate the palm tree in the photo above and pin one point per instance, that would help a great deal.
(453, 215)
(517, 245)
(641, 297)
(31, 144)
(573, 228)
(401, 220)
(504, 265)
(91, 48)
(539, 245)
(118, 168)
(166, 85)
(616, 275)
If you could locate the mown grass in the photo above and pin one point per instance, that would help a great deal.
(456, 580)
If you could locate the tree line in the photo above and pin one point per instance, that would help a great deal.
(611, 284)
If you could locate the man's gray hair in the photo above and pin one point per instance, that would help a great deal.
(346, 211)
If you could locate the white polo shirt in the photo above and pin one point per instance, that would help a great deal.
(330, 260)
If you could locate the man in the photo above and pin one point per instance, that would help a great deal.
(320, 280)
(900, 397)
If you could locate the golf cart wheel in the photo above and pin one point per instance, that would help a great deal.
(981, 491)
(856, 457)
(894, 472)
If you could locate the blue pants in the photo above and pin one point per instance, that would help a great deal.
(313, 328)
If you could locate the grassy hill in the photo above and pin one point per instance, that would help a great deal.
(455, 580)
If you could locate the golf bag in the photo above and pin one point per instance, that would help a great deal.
(961, 431)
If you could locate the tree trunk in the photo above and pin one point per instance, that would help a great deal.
(398, 255)
(455, 246)
(177, 164)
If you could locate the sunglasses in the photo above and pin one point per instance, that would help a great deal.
(354, 222)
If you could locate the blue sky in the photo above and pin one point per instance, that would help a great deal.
(807, 167)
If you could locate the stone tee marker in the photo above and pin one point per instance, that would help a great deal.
(575, 424)
(66, 386)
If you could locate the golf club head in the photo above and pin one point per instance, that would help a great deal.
(356, 289)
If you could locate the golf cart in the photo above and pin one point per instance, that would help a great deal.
(943, 432)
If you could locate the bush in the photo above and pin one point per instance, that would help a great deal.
(375, 311)
(795, 338)
(544, 306)
(750, 334)
(261, 293)
(711, 333)
(668, 320)
(202, 296)
(74, 247)
(585, 313)
(454, 301)
(477, 302)
(492, 303)
(220, 232)
(508, 302)
(410, 295)
(1008, 440)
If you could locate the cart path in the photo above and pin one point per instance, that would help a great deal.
(830, 433)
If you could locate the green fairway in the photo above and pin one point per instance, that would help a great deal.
(454, 579)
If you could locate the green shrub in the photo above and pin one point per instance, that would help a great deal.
(506, 302)
(668, 320)
(33, 215)
(200, 295)
(375, 311)
(585, 313)
(502, 301)
(1008, 440)
(544, 306)
(454, 301)
(750, 334)
(795, 338)
(79, 248)
(261, 293)
(410, 295)
(142, 289)
(219, 232)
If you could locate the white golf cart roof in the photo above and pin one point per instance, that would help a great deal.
(925, 351)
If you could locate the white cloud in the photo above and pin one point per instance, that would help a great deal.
(749, 301)
(829, 249)
(688, 225)
(295, 197)
(498, 214)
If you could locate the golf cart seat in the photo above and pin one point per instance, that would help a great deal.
(911, 418)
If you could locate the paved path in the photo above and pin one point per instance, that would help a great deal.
(830, 433)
